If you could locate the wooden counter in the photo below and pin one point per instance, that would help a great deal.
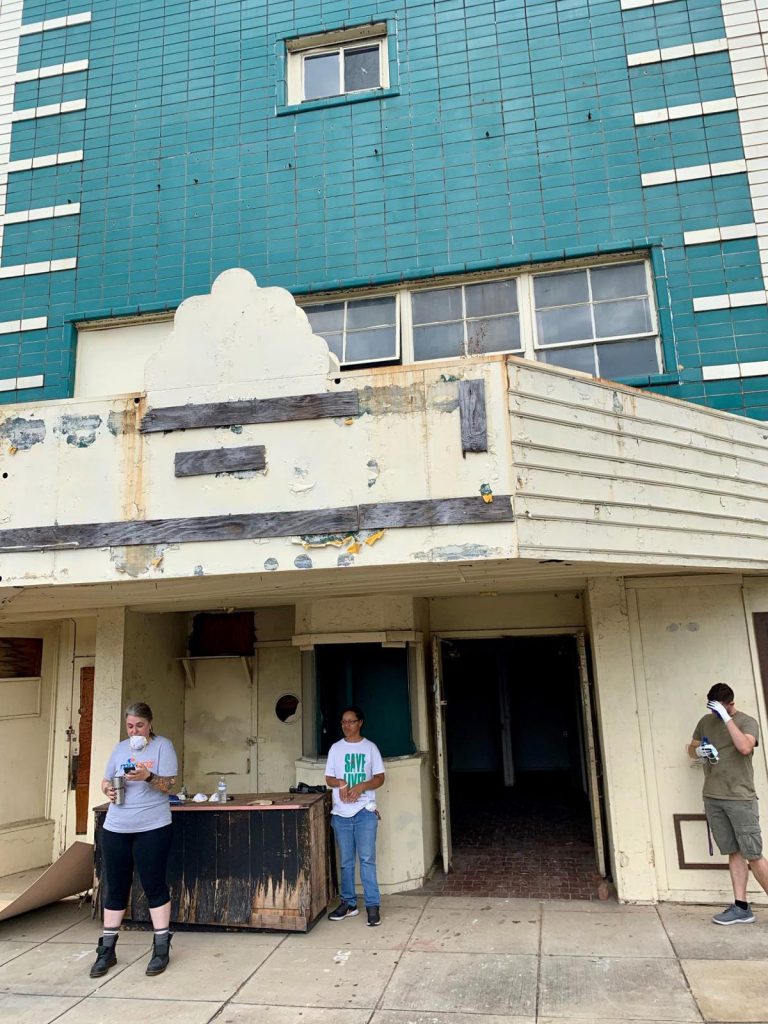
(246, 865)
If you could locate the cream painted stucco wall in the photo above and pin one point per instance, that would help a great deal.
(111, 360)
(507, 612)
(685, 638)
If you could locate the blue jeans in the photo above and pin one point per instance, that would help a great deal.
(356, 836)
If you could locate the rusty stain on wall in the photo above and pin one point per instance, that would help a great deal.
(119, 422)
(23, 433)
(80, 431)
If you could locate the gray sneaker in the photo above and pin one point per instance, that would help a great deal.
(734, 915)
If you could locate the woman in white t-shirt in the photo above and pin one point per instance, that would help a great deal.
(137, 832)
(354, 771)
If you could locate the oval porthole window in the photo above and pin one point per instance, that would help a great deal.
(286, 707)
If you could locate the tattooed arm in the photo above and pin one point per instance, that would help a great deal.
(163, 783)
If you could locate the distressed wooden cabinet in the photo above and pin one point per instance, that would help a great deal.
(249, 865)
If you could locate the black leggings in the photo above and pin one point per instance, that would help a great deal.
(149, 852)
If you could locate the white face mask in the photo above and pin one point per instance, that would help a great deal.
(138, 742)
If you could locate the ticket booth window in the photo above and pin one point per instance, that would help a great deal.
(376, 679)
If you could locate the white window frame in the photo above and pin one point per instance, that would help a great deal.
(529, 346)
(398, 325)
(362, 36)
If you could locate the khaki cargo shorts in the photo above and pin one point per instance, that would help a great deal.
(735, 825)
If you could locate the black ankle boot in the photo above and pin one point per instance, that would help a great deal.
(105, 956)
(161, 954)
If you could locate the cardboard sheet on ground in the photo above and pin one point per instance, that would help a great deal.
(71, 874)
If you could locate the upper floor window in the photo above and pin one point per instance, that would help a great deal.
(599, 319)
(337, 63)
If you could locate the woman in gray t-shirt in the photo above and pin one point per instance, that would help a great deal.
(137, 832)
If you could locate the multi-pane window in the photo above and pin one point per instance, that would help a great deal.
(609, 307)
(598, 319)
(358, 330)
(465, 320)
(337, 64)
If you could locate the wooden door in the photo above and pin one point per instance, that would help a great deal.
(82, 771)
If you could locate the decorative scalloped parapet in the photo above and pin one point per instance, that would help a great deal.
(241, 341)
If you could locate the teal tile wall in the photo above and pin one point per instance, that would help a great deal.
(510, 138)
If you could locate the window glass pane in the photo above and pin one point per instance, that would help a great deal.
(362, 346)
(361, 69)
(321, 76)
(560, 289)
(494, 297)
(370, 312)
(374, 677)
(628, 358)
(582, 357)
(334, 344)
(434, 306)
(572, 323)
(438, 342)
(615, 282)
(328, 317)
(627, 316)
(499, 334)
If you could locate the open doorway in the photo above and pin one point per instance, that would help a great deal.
(520, 769)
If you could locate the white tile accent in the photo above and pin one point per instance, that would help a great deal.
(629, 5)
(45, 267)
(17, 383)
(695, 172)
(676, 52)
(746, 28)
(720, 234)
(685, 110)
(52, 70)
(48, 110)
(729, 371)
(733, 300)
(51, 23)
(50, 160)
(41, 213)
(35, 323)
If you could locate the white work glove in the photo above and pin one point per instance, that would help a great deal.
(717, 708)
(706, 750)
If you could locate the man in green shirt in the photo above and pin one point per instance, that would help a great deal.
(724, 740)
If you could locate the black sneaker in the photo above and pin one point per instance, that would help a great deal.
(374, 917)
(343, 910)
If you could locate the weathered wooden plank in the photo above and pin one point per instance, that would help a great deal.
(220, 460)
(256, 525)
(256, 410)
(437, 512)
(179, 531)
(474, 427)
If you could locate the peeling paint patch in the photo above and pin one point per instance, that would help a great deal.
(302, 562)
(445, 404)
(372, 538)
(618, 405)
(199, 570)
(344, 560)
(23, 433)
(119, 422)
(392, 400)
(236, 428)
(137, 560)
(373, 465)
(321, 540)
(242, 474)
(270, 564)
(447, 378)
(457, 553)
(486, 493)
(80, 431)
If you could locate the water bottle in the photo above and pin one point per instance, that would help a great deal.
(712, 758)
(221, 789)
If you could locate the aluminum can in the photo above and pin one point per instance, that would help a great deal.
(118, 784)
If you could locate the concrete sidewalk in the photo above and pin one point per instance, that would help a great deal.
(434, 960)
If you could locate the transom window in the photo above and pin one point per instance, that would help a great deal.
(599, 319)
(337, 63)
